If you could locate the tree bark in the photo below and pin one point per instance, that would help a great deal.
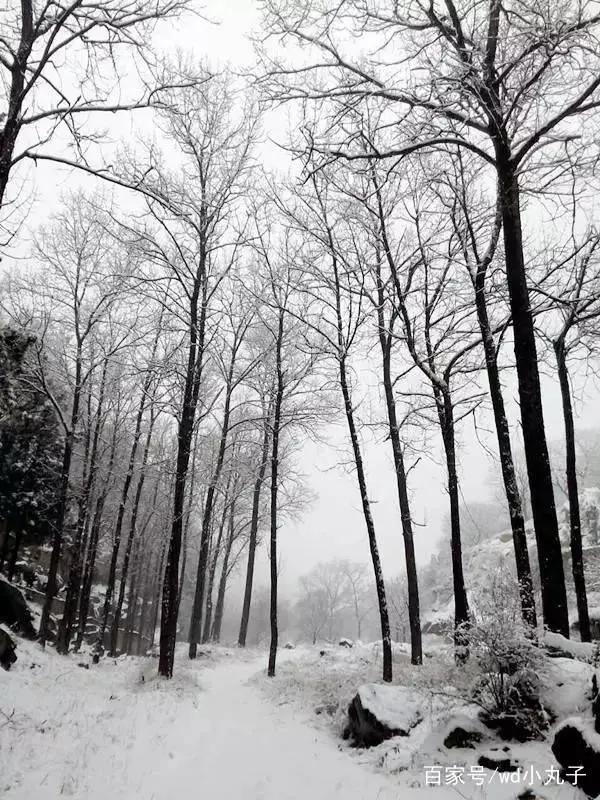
(577, 564)
(220, 608)
(114, 628)
(274, 491)
(57, 540)
(385, 341)
(196, 620)
(511, 486)
(554, 595)
(253, 537)
(112, 570)
(73, 593)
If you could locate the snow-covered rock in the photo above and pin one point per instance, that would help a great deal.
(379, 711)
(577, 745)
(584, 651)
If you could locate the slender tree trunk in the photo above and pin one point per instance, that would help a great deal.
(114, 630)
(219, 610)
(253, 538)
(92, 548)
(554, 595)
(170, 586)
(274, 491)
(212, 571)
(57, 540)
(511, 486)
(112, 570)
(573, 492)
(196, 620)
(368, 517)
(461, 606)
(14, 556)
(385, 340)
(74, 586)
(132, 597)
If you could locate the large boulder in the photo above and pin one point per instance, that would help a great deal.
(14, 610)
(7, 650)
(576, 744)
(379, 712)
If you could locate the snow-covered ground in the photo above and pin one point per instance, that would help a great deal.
(220, 730)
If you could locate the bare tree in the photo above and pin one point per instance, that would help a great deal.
(505, 87)
(59, 62)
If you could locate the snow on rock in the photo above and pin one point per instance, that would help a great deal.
(584, 651)
(576, 744)
(379, 711)
(565, 686)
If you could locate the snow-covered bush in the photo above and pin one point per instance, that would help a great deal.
(507, 664)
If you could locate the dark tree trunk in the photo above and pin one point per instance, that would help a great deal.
(116, 621)
(57, 539)
(18, 71)
(112, 570)
(511, 486)
(185, 433)
(220, 608)
(212, 571)
(14, 556)
(385, 341)
(573, 492)
(132, 597)
(274, 492)
(253, 538)
(554, 595)
(461, 606)
(74, 587)
(196, 620)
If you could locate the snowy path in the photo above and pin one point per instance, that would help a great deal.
(102, 733)
(240, 746)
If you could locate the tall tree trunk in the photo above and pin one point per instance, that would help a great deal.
(274, 491)
(385, 341)
(116, 621)
(132, 597)
(573, 492)
(253, 538)
(220, 609)
(368, 517)
(57, 539)
(73, 593)
(212, 570)
(554, 595)
(92, 547)
(445, 410)
(196, 620)
(112, 570)
(185, 433)
(511, 486)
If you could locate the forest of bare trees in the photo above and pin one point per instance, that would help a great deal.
(188, 313)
